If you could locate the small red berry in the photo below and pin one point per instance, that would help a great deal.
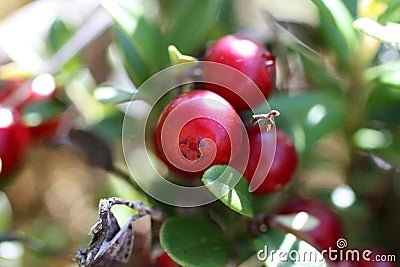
(14, 139)
(248, 57)
(164, 260)
(284, 161)
(329, 229)
(196, 130)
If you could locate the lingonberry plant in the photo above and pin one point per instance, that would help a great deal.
(210, 174)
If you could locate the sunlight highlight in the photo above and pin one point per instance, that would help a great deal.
(343, 196)
(6, 118)
(44, 84)
(316, 114)
(300, 220)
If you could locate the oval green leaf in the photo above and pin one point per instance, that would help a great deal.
(238, 198)
(194, 241)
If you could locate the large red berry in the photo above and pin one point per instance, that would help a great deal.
(329, 230)
(164, 260)
(284, 160)
(248, 57)
(14, 139)
(196, 130)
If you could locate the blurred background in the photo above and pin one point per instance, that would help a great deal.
(348, 158)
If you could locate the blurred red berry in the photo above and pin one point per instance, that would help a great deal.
(329, 229)
(165, 261)
(14, 139)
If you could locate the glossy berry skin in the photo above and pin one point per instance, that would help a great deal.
(196, 130)
(164, 260)
(328, 231)
(284, 161)
(14, 139)
(248, 57)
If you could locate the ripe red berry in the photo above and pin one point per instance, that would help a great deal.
(284, 161)
(329, 229)
(196, 130)
(248, 57)
(164, 260)
(14, 139)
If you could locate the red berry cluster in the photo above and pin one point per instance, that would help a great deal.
(213, 131)
(16, 94)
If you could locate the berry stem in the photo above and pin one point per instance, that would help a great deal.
(269, 124)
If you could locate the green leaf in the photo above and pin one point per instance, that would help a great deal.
(111, 126)
(141, 42)
(135, 65)
(37, 113)
(194, 241)
(352, 6)
(286, 250)
(109, 94)
(192, 23)
(391, 14)
(333, 40)
(222, 178)
(225, 23)
(59, 34)
(309, 116)
(384, 104)
(387, 74)
(339, 16)
(389, 33)
(318, 73)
